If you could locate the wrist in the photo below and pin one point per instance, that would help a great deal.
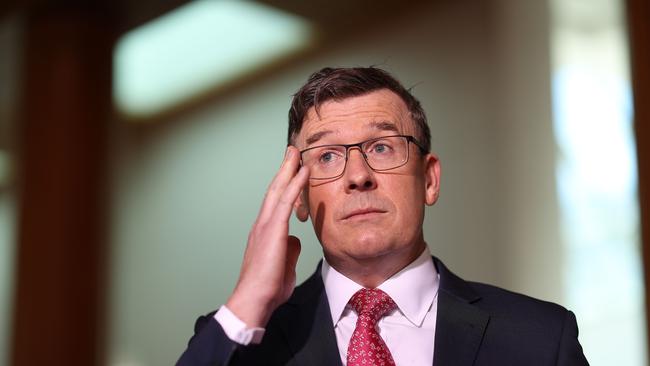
(250, 310)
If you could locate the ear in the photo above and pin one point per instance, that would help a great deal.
(431, 178)
(301, 207)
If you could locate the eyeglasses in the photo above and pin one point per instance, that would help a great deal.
(381, 153)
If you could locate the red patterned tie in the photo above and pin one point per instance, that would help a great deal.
(366, 347)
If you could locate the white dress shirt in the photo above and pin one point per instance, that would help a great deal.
(410, 329)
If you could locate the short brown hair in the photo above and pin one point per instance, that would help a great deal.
(340, 83)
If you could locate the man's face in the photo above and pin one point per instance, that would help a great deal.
(366, 214)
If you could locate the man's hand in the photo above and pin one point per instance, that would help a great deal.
(268, 272)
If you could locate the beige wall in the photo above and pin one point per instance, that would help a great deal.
(186, 192)
(529, 225)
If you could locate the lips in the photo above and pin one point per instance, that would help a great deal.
(364, 212)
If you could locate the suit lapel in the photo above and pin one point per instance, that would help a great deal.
(460, 325)
(309, 329)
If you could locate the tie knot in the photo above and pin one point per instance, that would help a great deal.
(373, 303)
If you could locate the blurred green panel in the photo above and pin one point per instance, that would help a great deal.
(198, 47)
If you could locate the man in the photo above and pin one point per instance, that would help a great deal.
(359, 165)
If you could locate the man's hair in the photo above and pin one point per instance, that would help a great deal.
(341, 83)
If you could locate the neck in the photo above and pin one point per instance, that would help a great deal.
(373, 271)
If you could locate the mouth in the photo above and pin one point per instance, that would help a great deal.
(365, 213)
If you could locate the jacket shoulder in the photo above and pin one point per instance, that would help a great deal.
(502, 301)
(519, 329)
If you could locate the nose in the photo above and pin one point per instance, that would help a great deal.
(358, 175)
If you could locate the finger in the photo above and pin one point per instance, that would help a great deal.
(287, 170)
(285, 174)
(279, 183)
(284, 206)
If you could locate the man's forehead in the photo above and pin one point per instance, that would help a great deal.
(381, 110)
(311, 138)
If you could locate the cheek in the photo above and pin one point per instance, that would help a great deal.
(410, 202)
(321, 202)
(316, 201)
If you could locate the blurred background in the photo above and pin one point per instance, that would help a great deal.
(137, 140)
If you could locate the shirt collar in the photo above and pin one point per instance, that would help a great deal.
(413, 288)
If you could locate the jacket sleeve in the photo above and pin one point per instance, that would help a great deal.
(209, 346)
(570, 351)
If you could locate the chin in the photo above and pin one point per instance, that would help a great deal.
(370, 245)
(365, 240)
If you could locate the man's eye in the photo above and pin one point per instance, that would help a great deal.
(328, 157)
(381, 148)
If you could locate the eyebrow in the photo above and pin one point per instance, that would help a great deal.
(317, 136)
(385, 126)
(382, 126)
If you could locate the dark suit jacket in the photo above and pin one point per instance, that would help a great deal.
(476, 324)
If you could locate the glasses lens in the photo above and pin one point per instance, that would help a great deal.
(386, 152)
(325, 161)
(382, 153)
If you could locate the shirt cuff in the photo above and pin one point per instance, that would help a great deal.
(236, 329)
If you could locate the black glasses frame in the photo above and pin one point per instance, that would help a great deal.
(409, 139)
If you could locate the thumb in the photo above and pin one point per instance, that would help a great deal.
(293, 251)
